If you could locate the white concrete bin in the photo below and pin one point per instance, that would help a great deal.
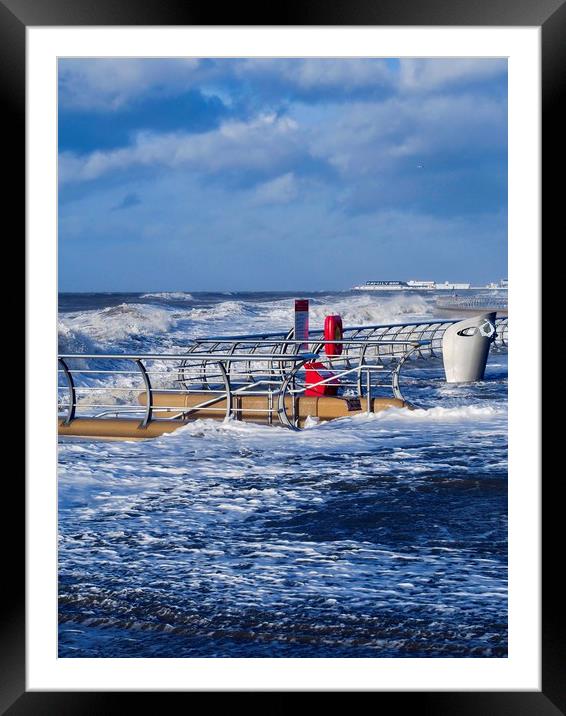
(465, 348)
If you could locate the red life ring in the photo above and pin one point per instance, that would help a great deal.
(333, 330)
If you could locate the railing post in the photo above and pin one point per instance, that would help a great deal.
(72, 392)
(397, 371)
(362, 360)
(395, 381)
(226, 378)
(148, 392)
(289, 379)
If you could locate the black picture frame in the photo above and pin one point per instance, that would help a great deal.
(15, 16)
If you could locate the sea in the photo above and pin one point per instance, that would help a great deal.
(375, 536)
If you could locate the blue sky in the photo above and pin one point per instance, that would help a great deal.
(280, 174)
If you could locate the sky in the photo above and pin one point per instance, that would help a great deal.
(280, 174)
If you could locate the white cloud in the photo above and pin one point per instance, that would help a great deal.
(111, 83)
(357, 140)
(320, 74)
(281, 190)
(108, 84)
(370, 138)
(262, 144)
(424, 75)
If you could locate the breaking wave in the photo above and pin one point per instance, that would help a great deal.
(100, 329)
(278, 314)
(368, 310)
(169, 295)
(176, 317)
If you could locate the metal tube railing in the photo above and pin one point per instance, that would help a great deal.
(281, 335)
(388, 336)
(273, 375)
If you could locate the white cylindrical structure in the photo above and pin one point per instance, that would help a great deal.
(465, 348)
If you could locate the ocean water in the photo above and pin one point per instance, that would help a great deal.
(370, 536)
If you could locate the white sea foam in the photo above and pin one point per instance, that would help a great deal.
(438, 414)
(276, 315)
(170, 295)
(345, 435)
(225, 310)
(346, 522)
(138, 326)
(368, 310)
(86, 330)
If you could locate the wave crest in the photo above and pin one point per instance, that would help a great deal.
(170, 295)
(369, 310)
(92, 330)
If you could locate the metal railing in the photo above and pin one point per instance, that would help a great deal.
(384, 342)
(221, 369)
(278, 371)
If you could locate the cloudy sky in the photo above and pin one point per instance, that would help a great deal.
(260, 174)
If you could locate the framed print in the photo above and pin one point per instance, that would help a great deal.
(135, 280)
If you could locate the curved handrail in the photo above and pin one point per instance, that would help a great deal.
(72, 392)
